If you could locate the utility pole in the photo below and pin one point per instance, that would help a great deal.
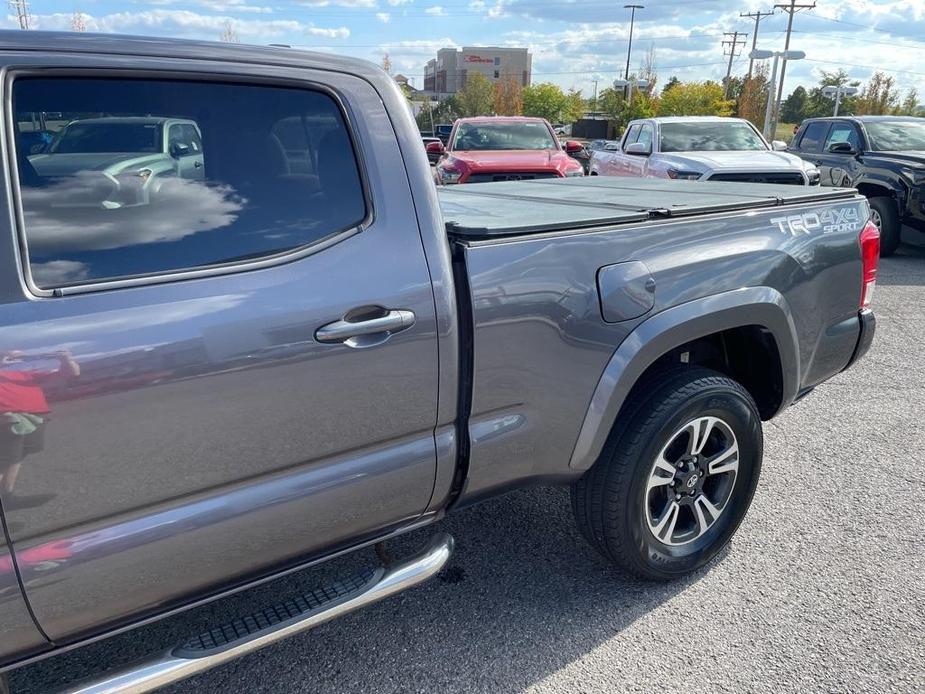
(757, 16)
(791, 10)
(595, 94)
(629, 48)
(21, 8)
(733, 44)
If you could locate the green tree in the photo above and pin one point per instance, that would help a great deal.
(673, 82)
(695, 99)
(445, 112)
(910, 105)
(818, 104)
(546, 100)
(879, 97)
(575, 106)
(477, 97)
(793, 110)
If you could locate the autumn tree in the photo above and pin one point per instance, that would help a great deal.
(695, 99)
(387, 63)
(753, 96)
(229, 35)
(477, 97)
(509, 97)
(78, 23)
(879, 97)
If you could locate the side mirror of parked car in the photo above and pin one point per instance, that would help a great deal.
(779, 146)
(612, 147)
(842, 148)
(178, 150)
(435, 148)
(573, 146)
(640, 149)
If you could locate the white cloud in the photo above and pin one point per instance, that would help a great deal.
(57, 272)
(185, 208)
(188, 24)
(338, 3)
(435, 11)
(383, 17)
(396, 3)
(239, 6)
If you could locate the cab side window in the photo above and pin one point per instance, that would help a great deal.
(646, 136)
(145, 177)
(843, 132)
(813, 136)
(631, 135)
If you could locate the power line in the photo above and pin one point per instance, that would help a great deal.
(733, 44)
(757, 16)
(791, 10)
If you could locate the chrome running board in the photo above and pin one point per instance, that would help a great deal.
(252, 632)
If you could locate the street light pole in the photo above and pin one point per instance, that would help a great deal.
(629, 48)
(777, 55)
(772, 92)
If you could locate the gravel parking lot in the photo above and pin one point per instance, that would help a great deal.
(822, 589)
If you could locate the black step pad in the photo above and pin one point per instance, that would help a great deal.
(247, 627)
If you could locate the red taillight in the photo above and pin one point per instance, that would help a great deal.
(870, 259)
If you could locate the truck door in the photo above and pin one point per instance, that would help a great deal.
(236, 375)
(640, 162)
(185, 147)
(810, 147)
(838, 168)
(622, 162)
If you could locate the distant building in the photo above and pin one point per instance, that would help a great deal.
(447, 73)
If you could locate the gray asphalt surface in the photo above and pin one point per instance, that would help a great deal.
(821, 590)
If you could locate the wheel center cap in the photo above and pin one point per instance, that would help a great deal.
(692, 481)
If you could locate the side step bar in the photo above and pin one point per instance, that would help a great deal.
(247, 634)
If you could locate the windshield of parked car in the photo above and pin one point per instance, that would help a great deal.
(705, 136)
(500, 136)
(107, 136)
(896, 136)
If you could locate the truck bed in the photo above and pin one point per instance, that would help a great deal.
(524, 207)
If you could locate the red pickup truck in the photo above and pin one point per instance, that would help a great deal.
(501, 148)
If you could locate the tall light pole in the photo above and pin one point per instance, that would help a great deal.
(838, 92)
(629, 48)
(772, 87)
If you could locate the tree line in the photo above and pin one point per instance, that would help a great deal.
(747, 98)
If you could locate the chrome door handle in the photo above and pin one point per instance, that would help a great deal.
(365, 332)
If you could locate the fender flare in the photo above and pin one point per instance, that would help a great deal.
(762, 306)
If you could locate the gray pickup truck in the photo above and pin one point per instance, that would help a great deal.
(308, 350)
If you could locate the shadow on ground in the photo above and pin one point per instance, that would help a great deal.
(523, 596)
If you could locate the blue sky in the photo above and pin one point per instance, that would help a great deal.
(573, 41)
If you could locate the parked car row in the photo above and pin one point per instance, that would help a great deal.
(882, 156)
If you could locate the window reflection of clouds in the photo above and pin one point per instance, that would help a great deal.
(181, 208)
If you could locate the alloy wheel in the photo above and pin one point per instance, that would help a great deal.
(691, 481)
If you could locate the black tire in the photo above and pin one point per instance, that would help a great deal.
(890, 228)
(610, 500)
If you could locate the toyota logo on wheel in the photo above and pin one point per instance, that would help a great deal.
(692, 480)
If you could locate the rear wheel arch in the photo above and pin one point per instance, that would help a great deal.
(746, 334)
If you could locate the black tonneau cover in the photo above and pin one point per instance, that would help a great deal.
(523, 207)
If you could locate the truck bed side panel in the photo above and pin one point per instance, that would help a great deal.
(541, 344)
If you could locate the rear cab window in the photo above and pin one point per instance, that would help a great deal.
(127, 178)
(813, 136)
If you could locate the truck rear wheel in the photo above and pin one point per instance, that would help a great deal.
(885, 216)
(676, 475)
